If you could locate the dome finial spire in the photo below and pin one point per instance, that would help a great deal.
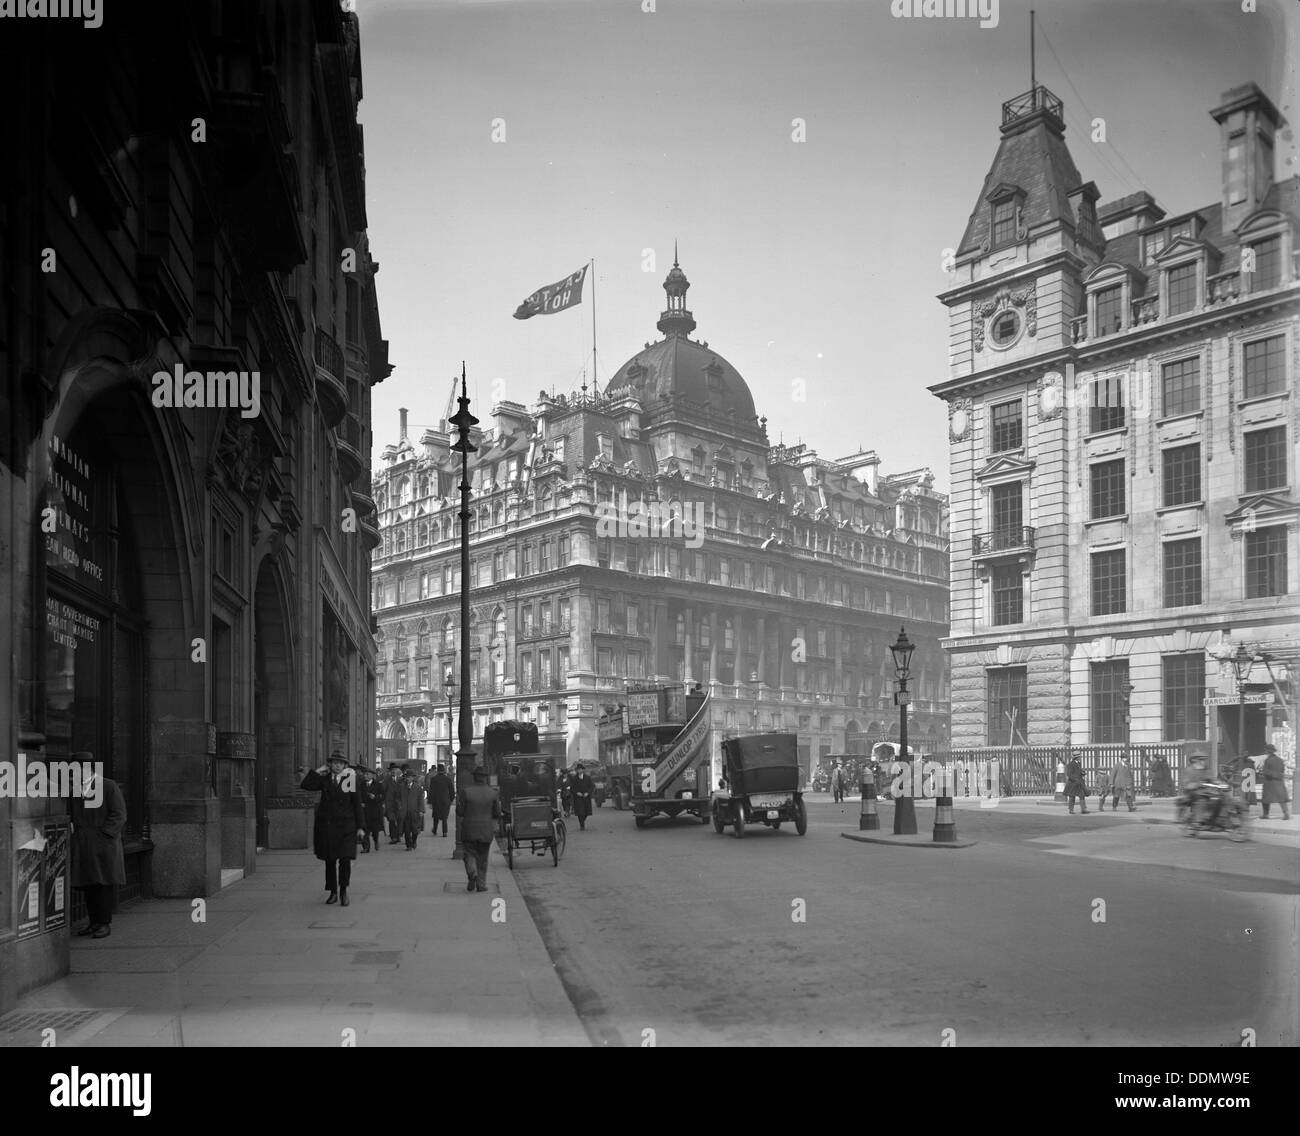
(675, 264)
(675, 319)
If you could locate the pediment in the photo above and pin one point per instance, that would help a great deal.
(1261, 220)
(1109, 270)
(1263, 508)
(1180, 247)
(1005, 467)
(1002, 191)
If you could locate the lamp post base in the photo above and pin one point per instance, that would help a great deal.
(904, 817)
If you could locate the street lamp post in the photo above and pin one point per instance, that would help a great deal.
(904, 806)
(1241, 663)
(1128, 689)
(466, 759)
(449, 685)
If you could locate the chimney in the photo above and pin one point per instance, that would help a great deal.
(402, 412)
(1247, 122)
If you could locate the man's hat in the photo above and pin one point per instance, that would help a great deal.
(578, 766)
(480, 773)
(337, 756)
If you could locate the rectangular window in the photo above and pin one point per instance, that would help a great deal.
(564, 551)
(498, 566)
(1155, 244)
(562, 662)
(1181, 386)
(1007, 508)
(633, 614)
(526, 619)
(1109, 591)
(1266, 562)
(602, 552)
(1108, 702)
(562, 715)
(1110, 311)
(424, 678)
(1008, 595)
(527, 569)
(635, 665)
(1264, 367)
(602, 615)
(564, 615)
(546, 617)
(1268, 264)
(1183, 682)
(544, 669)
(1106, 411)
(604, 661)
(401, 679)
(1182, 289)
(1182, 475)
(526, 672)
(1004, 223)
(1265, 459)
(1182, 572)
(1008, 426)
(1008, 706)
(1108, 489)
(546, 556)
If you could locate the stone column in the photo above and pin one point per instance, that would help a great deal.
(713, 646)
(762, 649)
(688, 667)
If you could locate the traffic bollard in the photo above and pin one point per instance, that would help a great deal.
(945, 824)
(868, 819)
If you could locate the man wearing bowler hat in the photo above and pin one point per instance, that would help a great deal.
(479, 809)
(340, 820)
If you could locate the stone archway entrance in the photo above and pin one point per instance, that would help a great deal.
(274, 713)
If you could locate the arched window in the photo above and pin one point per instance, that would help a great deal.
(401, 541)
(422, 534)
(403, 489)
(499, 516)
(499, 627)
(548, 501)
(424, 485)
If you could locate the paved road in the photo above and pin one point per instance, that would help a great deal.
(677, 930)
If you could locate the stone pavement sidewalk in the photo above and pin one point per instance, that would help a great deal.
(414, 960)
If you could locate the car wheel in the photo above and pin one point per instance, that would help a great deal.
(800, 817)
(718, 823)
(738, 823)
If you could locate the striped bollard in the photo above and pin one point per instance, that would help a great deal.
(868, 819)
(945, 824)
(1060, 782)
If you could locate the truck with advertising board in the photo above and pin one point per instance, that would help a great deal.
(668, 741)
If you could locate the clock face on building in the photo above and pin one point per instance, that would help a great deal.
(959, 422)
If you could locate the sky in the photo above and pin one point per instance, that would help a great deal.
(508, 142)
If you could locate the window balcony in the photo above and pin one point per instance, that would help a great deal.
(347, 439)
(369, 533)
(331, 380)
(1005, 541)
(361, 498)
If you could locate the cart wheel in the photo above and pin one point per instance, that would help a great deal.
(510, 847)
(640, 821)
(800, 817)
(718, 823)
(738, 823)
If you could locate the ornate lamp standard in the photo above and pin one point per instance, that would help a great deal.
(1241, 664)
(466, 758)
(904, 806)
(449, 685)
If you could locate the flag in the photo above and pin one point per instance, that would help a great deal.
(554, 297)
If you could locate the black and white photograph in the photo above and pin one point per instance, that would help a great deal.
(638, 523)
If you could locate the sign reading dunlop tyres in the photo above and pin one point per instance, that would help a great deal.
(687, 750)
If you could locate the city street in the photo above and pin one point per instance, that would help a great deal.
(677, 929)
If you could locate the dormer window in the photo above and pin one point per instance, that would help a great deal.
(1155, 245)
(1181, 288)
(1266, 261)
(1004, 222)
(1110, 311)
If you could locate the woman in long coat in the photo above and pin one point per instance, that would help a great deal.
(339, 821)
(1162, 781)
(440, 791)
(98, 865)
(1274, 778)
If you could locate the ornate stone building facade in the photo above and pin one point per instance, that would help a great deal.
(1123, 420)
(653, 534)
(188, 337)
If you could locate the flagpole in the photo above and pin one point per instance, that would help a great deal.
(595, 384)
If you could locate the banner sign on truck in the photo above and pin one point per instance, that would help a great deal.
(687, 749)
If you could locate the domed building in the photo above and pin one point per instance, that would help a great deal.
(783, 601)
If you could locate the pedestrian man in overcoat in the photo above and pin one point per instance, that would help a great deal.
(1074, 786)
(582, 788)
(1121, 781)
(441, 791)
(479, 809)
(98, 865)
(340, 819)
(412, 809)
(837, 782)
(1273, 775)
(372, 807)
(392, 803)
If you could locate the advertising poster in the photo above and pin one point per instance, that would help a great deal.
(57, 847)
(27, 890)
